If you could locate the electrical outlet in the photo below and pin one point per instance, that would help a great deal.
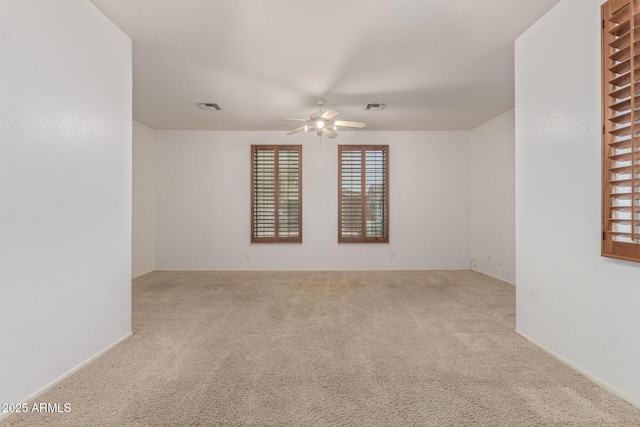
(489, 258)
(392, 255)
(247, 255)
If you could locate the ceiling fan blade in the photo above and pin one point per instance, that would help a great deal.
(329, 114)
(358, 125)
(330, 133)
(289, 119)
(300, 129)
(316, 115)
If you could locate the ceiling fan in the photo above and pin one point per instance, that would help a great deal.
(323, 122)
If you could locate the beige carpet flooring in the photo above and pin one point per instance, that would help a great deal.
(414, 348)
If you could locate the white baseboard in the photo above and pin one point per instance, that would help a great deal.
(72, 371)
(492, 276)
(611, 389)
(253, 270)
(142, 274)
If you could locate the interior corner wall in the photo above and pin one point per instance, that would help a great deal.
(493, 205)
(143, 233)
(65, 190)
(570, 300)
(203, 203)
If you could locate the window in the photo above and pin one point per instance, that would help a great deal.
(276, 194)
(363, 193)
(620, 130)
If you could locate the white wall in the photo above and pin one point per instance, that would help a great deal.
(65, 190)
(203, 202)
(143, 235)
(493, 205)
(580, 306)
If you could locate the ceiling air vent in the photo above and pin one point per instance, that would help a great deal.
(209, 106)
(375, 107)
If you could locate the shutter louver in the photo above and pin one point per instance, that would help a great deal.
(363, 208)
(621, 129)
(276, 197)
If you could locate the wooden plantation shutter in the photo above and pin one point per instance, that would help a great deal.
(276, 193)
(363, 193)
(621, 129)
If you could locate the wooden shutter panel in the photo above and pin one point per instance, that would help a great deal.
(264, 194)
(289, 194)
(621, 129)
(350, 214)
(276, 193)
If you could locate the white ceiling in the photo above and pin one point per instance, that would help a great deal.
(438, 64)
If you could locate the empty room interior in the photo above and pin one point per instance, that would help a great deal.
(409, 212)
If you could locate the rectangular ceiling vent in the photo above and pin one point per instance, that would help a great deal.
(209, 106)
(375, 107)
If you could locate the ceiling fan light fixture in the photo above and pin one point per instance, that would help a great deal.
(323, 123)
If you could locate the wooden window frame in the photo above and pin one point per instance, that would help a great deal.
(621, 129)
(364, 238)
(276, 238)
